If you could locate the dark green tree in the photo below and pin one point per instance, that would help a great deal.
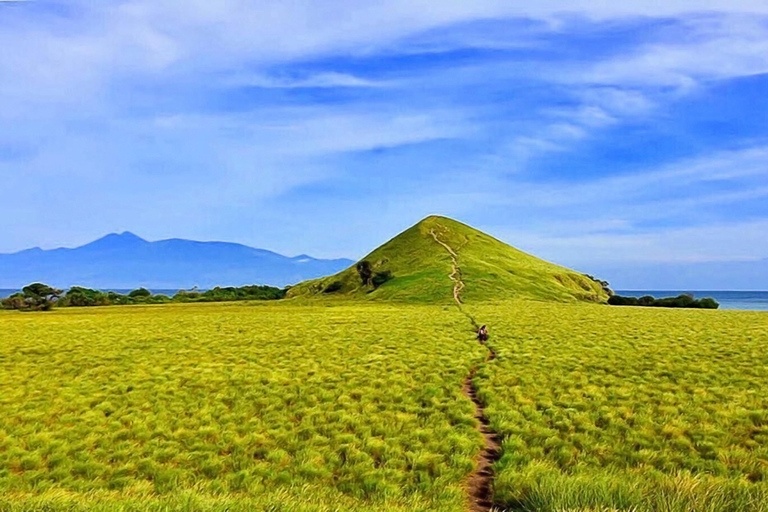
(78, 296)
(140, 293)
(40, 297)
(365, 271)
(646, 300)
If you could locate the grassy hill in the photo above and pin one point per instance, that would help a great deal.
(420, 267)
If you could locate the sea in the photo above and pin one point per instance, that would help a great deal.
(751, 301)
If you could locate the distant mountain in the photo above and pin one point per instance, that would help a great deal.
(128, 261)
(423, 260)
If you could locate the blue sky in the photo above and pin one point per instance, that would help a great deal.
(604, 137)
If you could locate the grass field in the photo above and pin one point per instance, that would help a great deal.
(628, 408)
(236, 407)
(294, 407)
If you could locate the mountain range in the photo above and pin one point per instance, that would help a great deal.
(126, 261)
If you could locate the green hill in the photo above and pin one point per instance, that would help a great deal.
(419, 262)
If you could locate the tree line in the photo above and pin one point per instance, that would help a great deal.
(42, 297)
(685, 300)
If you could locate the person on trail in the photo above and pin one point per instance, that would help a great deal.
(482, 334)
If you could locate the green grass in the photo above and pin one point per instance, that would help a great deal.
(628, 408)
(491, 270)
(236, 407)
(320, 406)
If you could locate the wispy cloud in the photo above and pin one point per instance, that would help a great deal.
(320, 80)
(595, 123)
(713, 48)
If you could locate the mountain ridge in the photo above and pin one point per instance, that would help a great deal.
(125, 260)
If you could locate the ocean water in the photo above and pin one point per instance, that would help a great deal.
(753, 301)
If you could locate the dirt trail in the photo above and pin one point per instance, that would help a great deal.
(480, 482)
(455, 275)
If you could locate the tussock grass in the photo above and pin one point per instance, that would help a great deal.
(357, 406)
(628, 409)
(235, 407)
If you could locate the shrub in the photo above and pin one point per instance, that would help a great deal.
(140, 293)
(15, 301)
(80, 297)
(381, 277)
(708, 303)
(646, 300)
(333, 287)
(618, 300)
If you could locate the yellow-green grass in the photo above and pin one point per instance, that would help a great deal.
(607, 408)
(490, 270)
(357, 406)
(236, 407)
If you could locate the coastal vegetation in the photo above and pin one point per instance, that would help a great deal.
(40, 296)
(684, 300)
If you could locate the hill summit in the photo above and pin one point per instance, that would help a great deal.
(440, 257)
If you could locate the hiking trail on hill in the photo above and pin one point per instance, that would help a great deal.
(480, 481)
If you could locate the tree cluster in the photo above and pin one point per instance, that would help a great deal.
(34, 297)
(41, 297)
(685, 300)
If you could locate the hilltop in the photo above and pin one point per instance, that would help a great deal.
(415, 266)
(126, 260)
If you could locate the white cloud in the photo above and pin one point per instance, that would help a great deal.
(319, 80)
(71, 88)
(645, 185)
(708, 48)
(733, 241)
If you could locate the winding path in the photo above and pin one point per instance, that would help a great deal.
(455, 276)
(481, 480)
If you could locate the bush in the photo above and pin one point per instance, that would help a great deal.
(81, 297)
(379, 278)
(333, 287)
(15, 301)
(646, 300)
(116, 298)
(140, 293)
(618, 300)
(186, 296)
(708, 303)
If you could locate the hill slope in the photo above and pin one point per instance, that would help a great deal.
(421, 265)
(128, 261)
